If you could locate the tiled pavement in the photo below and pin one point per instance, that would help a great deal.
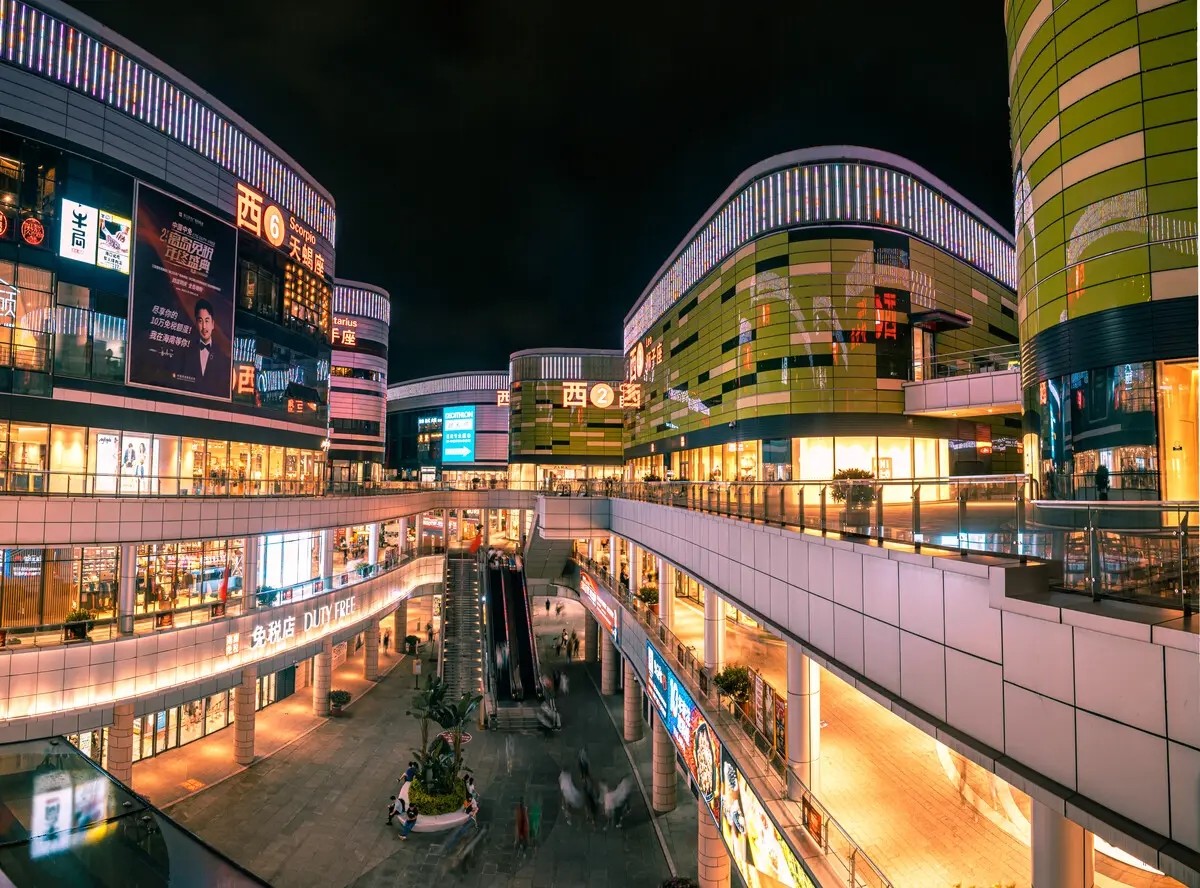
(313, 813)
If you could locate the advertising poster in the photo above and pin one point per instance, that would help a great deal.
(756, 701)
(687, 726)
(600, 603)
(458, 434)
(77, 232)
(182, 298)
(781, 722)
(757, 848)
(112, 248)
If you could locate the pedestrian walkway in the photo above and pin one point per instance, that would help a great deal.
(923, 814)
(313, 813)
(178, 773)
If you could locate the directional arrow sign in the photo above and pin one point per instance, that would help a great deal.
(458, 451)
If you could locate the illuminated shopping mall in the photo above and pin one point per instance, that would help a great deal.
(877, 526)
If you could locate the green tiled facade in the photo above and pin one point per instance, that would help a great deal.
(1104, 154)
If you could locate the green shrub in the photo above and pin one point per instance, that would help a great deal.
(339, 698)
(854, 495)
(734, 682)
(439, 803)
(648, 594)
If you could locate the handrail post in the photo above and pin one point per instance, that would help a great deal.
(783, 504)
(962, 523)
(729, 500)
(753, 498)
(824, 492)
(879, 511)
(1020, 509)
(1093, 555)
(916, 516)
(800, 502)
(1183, 557)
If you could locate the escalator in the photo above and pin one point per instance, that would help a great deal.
(522, 650)
(497, 621)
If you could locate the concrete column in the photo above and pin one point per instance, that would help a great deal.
(666, 593)
(326, 556)
(371, 651)
(591, 549)
(711, 858)
(120, 743)
(486, 514)
(803, 722)
(633, 705)
(614, 563)
(590, 646)
(243, 716)
(250, 547)
(322, 677)
(403, 535)
(373, 544)
(1063, 852)
(714, 630)
(127, 589)
(608, 664)
(635, 576)
(662, 792)
(401, 622)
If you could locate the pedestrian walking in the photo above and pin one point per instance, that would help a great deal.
(429, 632)
(387, 639)
(563, 683)
(558, 608)
(575, 648)
(521, 826)
(510, 753)
(572, 798)
(547, 605)
(585, 765)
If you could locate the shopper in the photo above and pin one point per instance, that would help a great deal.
(521, 826)
(410, 820)
(387, 639)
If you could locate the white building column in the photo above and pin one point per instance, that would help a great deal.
(712, 860)
(243, 715)
(120, 743)
(322, 678)
(714, 631)
(373, 544)
(662, 775)
(486, 514)
(371, 650)
(325, 560)
(127, 589)
(250, 553)
(803, 722)
(1063, 851)
(403, 535)
(614, 563)
(666, 593)
(632, 727)
(608, 664)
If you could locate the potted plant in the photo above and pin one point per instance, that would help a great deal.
(77, 624)
(851, 488)
(734, 682)
(649, 597)
(337, 700)
(410, 644)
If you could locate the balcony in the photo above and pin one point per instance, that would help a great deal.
(962, 384)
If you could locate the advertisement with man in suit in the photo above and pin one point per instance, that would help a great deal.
(182, 298)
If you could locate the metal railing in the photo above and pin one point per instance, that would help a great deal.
(23, 482)
(853, 863)
(965, 363)
(1142, 551)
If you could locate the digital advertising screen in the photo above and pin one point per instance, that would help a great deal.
(182, 298)
(458, 434)
(601, 603)
(687, 726)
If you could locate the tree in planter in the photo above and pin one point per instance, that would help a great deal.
(78, 623)
(441, 760)
(426, 705)
(734, 682)
(338, 699)
(648, 595)
(410, 643)
(849, 487)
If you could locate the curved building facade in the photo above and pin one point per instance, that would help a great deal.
(166, 278)
(1103, 115)
(775, 342)
(450, 427)
(358, 382)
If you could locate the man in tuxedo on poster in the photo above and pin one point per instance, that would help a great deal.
(203, 362)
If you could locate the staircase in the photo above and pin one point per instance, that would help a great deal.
(462, 628)
(514, 717)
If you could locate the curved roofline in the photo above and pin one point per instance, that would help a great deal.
(87, 23)
(446, 376)
(814, 155)
(539, 352)
(361, 285)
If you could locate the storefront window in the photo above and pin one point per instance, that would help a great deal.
(217, 712)
(1178, 396)
(217, 467)
(38, 587)
(68, 459)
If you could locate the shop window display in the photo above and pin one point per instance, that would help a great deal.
(39, 587)
(180, 575)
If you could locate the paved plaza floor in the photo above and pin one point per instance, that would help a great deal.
(313, 813)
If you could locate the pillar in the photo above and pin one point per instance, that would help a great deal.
(373, 544)
(633, 705)
(666, 593)
(635, 577)
(1063, 853)
(608, 664)
(120, 743)
(243, 716)
(614, 563)
(250, 547)
(403, 536)
(712, 861)
(127, 589)
(589, 638)
(401, 626)
(326, 556)
(591, 549)
(322, 669)
(486, 515)
(803, 722)
(662, 792)
(714, 630)
(371, 651)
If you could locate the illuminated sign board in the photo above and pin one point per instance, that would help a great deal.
(624, 396)
(77, 232)
(271, 223)
(646, 355)
(502, 398)
(345, 332)
(601, 604)
(276, 631)
(112, 245)
(458, 434)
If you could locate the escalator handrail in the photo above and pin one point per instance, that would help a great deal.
(527, 614)
(514, 676)
(520, 602)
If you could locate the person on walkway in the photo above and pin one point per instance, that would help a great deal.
(387, 639)
(547, 605)
(410, 820)
(575, 647)
(585, 765)
(406, 779)
(558, 608)
(521, 826)
(429, 632)
(510, 753)
(616, 802)
(469, 783)
(564, 683)
(572, 798)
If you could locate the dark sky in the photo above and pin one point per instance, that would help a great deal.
(514, 172)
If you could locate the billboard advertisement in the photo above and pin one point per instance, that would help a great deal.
(182, 297)
(77, 232)
(687, 726)
(458, 434)
(599, 602)
(756, 846)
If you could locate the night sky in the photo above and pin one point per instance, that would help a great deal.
(513, 173)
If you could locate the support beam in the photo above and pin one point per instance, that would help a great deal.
(322, 676)
(373, 544)
(662, 794)
(243, 716)
(803, 722)
(666, 593)
(120, 743)
(371, 651)
(590, 638)
(714, 631)
(127, 589)
(608, 664)
(250, 553)
(1063, 851)
(325, 561)
(633, 705)
(712, 860)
